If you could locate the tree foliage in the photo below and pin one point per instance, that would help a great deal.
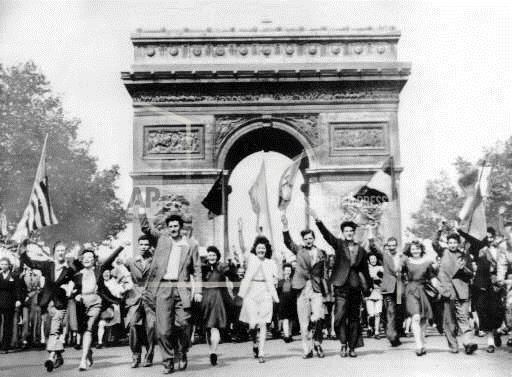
(443, 199)
(83, 196)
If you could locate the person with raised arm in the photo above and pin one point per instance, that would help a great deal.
(174, 261)
(310, 281)
(349, 280)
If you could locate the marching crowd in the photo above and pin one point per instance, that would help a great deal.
(167, 295)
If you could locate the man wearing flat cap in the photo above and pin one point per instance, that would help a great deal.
(349, 280)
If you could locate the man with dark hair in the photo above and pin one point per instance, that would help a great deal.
(392, 291)
(140, 318)
(455, 273)
(310, 282)
(350, 279)
(169, 281)
(56, 273)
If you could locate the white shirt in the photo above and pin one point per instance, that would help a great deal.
(173, 265)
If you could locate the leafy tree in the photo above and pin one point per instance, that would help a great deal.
(444, 200)
(83, 197)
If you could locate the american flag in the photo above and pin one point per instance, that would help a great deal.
(39, 212)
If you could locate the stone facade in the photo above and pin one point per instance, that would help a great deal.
(198, 94)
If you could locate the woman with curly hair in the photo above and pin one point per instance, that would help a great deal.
(215, 298)
(258, 291)
(419, 271)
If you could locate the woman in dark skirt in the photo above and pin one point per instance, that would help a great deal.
(287, 302)
(419, 271)
(215, 298)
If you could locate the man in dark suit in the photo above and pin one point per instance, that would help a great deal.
(11, 297)
(349, 280)
(309, 280)
(174, 261)
(141, 305)
(56, 273)
(392, 290)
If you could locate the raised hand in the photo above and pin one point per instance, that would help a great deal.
(313, 213)
(284, 220)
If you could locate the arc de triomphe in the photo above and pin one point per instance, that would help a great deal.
(204, 100)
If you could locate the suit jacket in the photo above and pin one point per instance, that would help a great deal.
(52, 290)
(356, 276)
(305, 270)
(392, 282)
(455, 281)
(102, 290)
(11, 290)
(190, 264)
(140, 274)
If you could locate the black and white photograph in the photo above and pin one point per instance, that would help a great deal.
(255, 188)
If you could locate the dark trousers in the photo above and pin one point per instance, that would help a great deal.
(347, 311)
(7, 320)
(172, 323)
(394, 317)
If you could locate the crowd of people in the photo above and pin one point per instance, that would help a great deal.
(167, 295)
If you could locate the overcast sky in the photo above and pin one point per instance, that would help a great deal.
(457, 100)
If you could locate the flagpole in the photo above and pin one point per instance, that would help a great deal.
(477, 185)
(225, 211)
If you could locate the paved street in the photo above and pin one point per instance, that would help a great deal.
(375, 359)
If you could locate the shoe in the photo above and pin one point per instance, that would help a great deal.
(213, 359)
(77, 346)
(89, 359)
(308, 355)
(99, 346)
(183, 363)
(470, 348)
(135, 361)
(454, 350)
(59, 360)
(344, 352)
(352, 353)
(396, 343)
(490, 349)
(261, 359)
(168, 368)
(288, 339)
(319, 351)
(255, 351)
(377, 336)
(48, 364)
(497, 340)
(421, 352)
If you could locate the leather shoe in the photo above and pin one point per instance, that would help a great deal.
(255, 351)
(421, 352)
(308, 355)
(213, 359)
(344, 352)
(470, 348)
(454, 350)
(168, 368)
(183, 363)
(497, 340)
(48, 364)
(147, 363)
(352, 353)
(490, 349)
(396, 343)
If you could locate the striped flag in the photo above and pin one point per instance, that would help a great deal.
(39, 212)
(475, 185)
